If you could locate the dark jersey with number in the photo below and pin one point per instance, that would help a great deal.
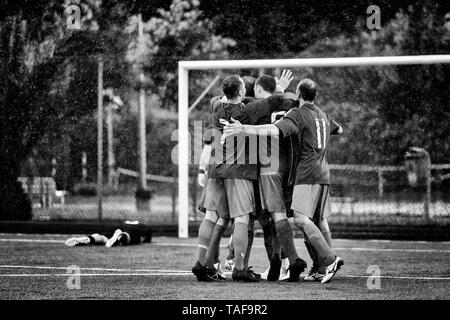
(235, 159)
(313, 128)
(266, 111)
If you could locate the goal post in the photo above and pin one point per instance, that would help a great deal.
(183, 101)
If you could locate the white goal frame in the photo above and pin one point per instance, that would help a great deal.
(183, 102)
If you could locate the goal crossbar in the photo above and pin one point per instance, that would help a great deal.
(183, 101)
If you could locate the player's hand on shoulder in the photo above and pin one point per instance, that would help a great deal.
(232, 128)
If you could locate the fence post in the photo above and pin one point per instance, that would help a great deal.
(427, 202)
(380, 182)
(174, 194)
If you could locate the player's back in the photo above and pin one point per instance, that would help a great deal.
(314, 136)
(267, 111)
(237, 160)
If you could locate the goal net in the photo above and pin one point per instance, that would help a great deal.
(377, 177)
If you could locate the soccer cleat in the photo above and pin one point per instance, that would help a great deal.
(296, 269)
(220, 271)
(284, 272)
(212, 274)
(243, 275)
(253, 273)
(201, 272)
(313, 275)
(265, 274)
(114, 239)
(80, 241)
(332, 269)
(229, 264)
(274, 270)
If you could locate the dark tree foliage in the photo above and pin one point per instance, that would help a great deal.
(274, 29)
(29, 102)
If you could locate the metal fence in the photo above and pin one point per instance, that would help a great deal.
(375, 194)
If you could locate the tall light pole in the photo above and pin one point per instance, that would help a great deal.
(109, 130)
(142, 196)
(100, 139)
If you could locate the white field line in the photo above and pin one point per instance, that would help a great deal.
(187, 273)
(179, 244)
(334, 248)
(89, 269)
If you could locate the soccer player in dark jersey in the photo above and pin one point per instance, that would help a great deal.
(273, 175)
(233, 171)
(215, 205)
(233, 164)
(128, 233)
(310, 199)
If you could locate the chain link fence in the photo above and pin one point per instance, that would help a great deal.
(359, 193)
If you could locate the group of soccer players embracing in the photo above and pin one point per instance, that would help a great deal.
(267, 161)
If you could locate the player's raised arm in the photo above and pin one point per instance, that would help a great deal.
(284, 81)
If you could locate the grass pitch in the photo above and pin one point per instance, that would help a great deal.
(41, 267)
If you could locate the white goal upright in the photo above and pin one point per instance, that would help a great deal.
(183, 102)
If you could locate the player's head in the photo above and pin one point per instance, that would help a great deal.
(307, 90)
(249, 84)
(233, 87)
(265, 85)
(447, 21)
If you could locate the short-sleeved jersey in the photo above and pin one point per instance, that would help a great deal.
(267, 111)
(236, 163)
(313, 128)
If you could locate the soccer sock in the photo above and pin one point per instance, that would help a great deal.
(204, 236)
(230, 249)
(327, 236)
(240, 242)
(214, 244)
(269, 235)
(249, 246)
(283, 254)
(284, 233)
(312, 252)
(326, 255)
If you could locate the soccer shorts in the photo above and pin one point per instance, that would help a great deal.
(271, 191)
(214, 198)
(312, 200)
(241, 199)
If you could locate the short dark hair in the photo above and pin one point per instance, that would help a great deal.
(249, 82)
(307, 89)
(231, 86)
(267, 82)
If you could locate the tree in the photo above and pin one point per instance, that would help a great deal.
(35, 72)
(176, 34)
